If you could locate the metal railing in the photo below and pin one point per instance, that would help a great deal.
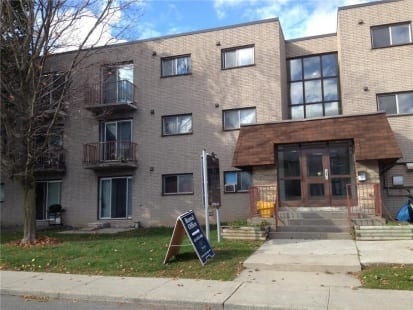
(50, 160)
(263, 201)
(368, 200)
(101, 152)
(118, 92)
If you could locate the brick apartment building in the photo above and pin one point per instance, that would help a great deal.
(318, 117)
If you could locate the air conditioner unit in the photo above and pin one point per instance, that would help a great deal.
(230, 188)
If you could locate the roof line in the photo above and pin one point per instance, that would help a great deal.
(353, 6)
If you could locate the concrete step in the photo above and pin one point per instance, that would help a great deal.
(371, 221)
(404, 232)
(314, 221)
(310, 235)
(314, 228)
(312, 215)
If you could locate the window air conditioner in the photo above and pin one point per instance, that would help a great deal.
(230, 188)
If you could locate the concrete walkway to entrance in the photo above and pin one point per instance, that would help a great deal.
(258, 287)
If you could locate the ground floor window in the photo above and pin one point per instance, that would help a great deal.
(115, 197)
(173, 184)
(237, 181)
(47, 193)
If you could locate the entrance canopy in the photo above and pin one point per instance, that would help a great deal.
(371, 134)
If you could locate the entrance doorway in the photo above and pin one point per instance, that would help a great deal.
(315, 175)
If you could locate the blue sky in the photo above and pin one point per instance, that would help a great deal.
(299, 18)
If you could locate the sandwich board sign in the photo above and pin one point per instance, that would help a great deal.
(188, 224)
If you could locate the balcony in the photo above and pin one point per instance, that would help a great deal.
(112, 97)
(110, 155)
(50, 162)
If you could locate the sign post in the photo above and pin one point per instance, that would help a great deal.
(188, 223)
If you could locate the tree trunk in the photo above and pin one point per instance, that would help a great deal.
(29, 204)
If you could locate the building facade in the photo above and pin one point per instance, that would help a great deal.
(314, 116)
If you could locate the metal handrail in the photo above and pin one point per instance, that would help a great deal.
(99, 152)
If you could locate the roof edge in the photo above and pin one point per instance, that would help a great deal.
(353, 6)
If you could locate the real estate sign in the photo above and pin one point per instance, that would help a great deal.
(188, 223)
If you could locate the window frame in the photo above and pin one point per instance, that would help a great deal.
(128, 206)
(396, 97)
(177, 117)
(178, 192)
(46, 204)
(239, 118)
(174, 59)
(388, 27)
(120, 90)
(323, 79)
(236, 50)
(237, 185)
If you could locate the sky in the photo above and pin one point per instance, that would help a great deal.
(299, 18)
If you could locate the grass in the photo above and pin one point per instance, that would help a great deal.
(134, 253)
(388, 277)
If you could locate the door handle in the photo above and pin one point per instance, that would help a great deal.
(326, 174)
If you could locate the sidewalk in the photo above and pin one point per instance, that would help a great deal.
(254, 289)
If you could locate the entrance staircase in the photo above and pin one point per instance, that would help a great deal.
(312, 223)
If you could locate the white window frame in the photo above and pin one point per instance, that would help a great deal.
(389, 29)
(240, 123)
(175, 68)
(237, 51)
(396, 96)
(176, 117)
(178, 192)
(128, 210)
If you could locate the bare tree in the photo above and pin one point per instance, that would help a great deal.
(34, 99)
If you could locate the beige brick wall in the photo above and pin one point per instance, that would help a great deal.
(311, 46)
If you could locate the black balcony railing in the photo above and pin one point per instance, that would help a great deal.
(114, 94)
(50, 161)
(114, 152)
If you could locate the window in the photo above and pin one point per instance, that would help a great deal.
(237, 181)
(52, 89)
(391, 35)
(233, 119)
(176, 124)
(47, 193)
(178, 65)
(173, 184)
(115, 197)
(237, 57)
(118, 84)
(314, 86)
(116, 140)
(400, 103)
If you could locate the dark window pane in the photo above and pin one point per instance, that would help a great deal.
(244, 180)
(330, 89)
(312, 67)
(405, 101)
(296, 70)
(316, 191)
(315, 165)
(118, 198)
(314, 110)
(400, 34)
(185, 183)
(312, 91)
(380, 37)
(170, 184)
(387, 103)
(339, 160)
(338, 187)
(290, 190)
(289, 163)
(329, 63)
(296, 93)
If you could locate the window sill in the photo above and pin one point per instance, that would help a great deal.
(175, 75)
(389, 46)
(237, 67)
(177, 194)
(178, 134)
(399, 115)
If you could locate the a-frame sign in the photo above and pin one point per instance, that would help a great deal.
(188, 223)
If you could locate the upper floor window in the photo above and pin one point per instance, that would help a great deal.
(177, 65)
(173, 184)
(237, 181)
(237, 57)
(233, 119)
(390, 35)
(314, 86)
(176, 124)
(118, 84)
(52, 85)
(116, 140)
(399, 103)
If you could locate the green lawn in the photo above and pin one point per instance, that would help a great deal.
(388, 277)
(134, 253)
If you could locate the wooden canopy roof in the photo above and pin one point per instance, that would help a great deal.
(371, 134)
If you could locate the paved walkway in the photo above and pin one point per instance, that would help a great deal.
(255, 288)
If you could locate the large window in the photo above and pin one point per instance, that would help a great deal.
(47, 193)
(177, 65)
(233, 119)
(173, 184)
(237, 181)
(176, 124)
(390, 35)
(314, 86)
(118, 84)
(238, 57)
(399, 103)
(115, 197)
(116, 140)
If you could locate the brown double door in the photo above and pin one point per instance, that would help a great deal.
(315, 175)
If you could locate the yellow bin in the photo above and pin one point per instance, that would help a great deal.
(266, 208)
